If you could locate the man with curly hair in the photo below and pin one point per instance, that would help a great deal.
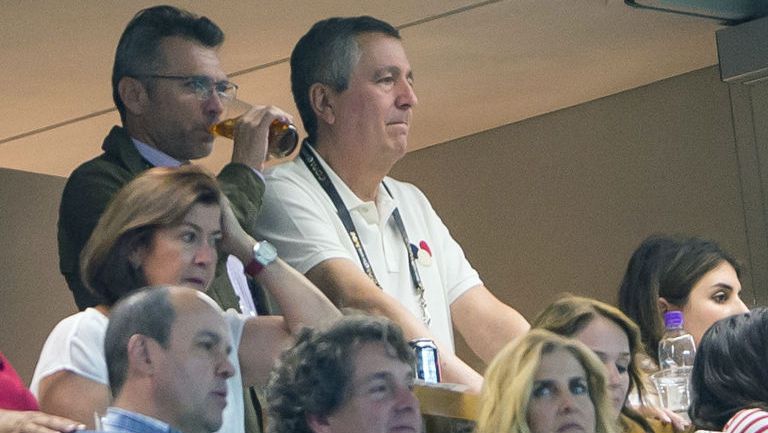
(355, 377)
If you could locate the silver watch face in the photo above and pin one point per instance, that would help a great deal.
(264, 252)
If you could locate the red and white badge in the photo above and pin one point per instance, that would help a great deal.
(424, 255)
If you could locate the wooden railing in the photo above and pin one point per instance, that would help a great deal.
(447, 410)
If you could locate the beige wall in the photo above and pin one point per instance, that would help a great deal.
(34, 294)
(558, 203)
(555, 203)
(749, 104)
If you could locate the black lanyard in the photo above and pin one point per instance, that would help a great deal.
(320, 174)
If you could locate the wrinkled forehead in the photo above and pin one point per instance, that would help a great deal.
(559, 364)
(375, 358)
(379, 47)
(185, 55)
(379, 55)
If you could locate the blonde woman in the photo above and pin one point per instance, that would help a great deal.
(545, 383)
(616, 340)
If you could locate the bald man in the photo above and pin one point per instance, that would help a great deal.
(168, 354)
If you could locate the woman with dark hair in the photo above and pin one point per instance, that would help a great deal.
(167, 227)
(729, 382)
(616, 341)
(689, 274)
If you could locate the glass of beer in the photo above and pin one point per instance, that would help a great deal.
(283, 139)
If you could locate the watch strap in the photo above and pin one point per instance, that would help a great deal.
(254, 268)
(263, 254)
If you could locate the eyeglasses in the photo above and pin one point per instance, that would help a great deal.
(201, 85)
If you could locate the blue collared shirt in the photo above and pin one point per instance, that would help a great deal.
(155, 156)
(123, 421)
(158, 158)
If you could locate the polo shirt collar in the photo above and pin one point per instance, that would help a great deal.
(381, 210)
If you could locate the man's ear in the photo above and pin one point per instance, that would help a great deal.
(322, 99)
(139, 354)
(133, 93)
(318, 424)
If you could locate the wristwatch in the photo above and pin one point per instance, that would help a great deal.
(264, 253)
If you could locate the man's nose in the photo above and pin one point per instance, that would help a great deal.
(406, 399)
(406, 97)
(226, 369)
(215, 104)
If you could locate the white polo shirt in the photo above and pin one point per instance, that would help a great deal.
(300, 219)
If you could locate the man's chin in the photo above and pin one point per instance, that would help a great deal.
(214, 425)
(401, 148)
(201, 151)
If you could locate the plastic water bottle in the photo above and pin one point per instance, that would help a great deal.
(676, 347)
(677, 351)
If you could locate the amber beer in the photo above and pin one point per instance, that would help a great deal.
(282, 141)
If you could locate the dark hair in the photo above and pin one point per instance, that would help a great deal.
(326, 54)
(571, 314)
(665, 267)
(147, 312)
(138, 50)
(314, 376)
(159, 197)
(729, 373)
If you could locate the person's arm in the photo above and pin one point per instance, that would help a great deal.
(70, 395)
(347, 286)
(241, 184)
(486, 323)
(679, 424)
(301, 303)
(265, 337)
(12, 421)
(244, 189)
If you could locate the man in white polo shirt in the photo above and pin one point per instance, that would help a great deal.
(369, 241)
